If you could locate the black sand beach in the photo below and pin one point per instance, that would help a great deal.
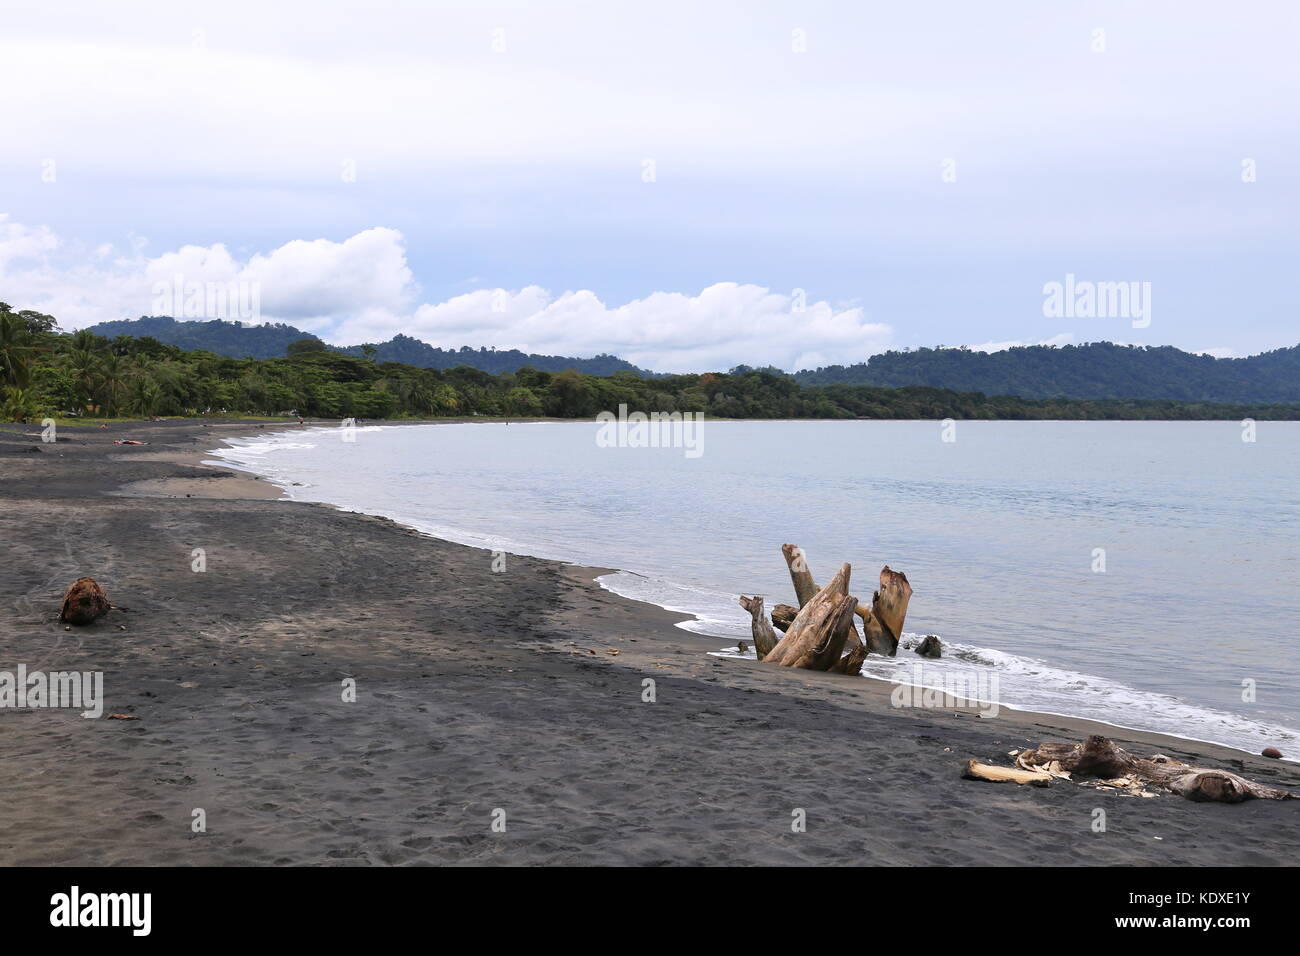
(475, 691)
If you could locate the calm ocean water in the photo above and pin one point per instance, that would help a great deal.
(997, 532)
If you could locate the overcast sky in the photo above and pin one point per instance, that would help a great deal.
(659, 179)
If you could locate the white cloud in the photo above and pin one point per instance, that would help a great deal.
(22, 242)
(310, 283)
(361, 289)
(723, 325)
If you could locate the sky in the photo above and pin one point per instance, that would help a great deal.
(687, 185)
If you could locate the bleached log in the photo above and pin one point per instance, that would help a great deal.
(983, 771)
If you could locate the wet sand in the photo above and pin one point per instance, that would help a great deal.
(475, 692)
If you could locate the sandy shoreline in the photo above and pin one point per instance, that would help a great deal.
(476, 691)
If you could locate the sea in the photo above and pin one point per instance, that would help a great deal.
(1146, 574)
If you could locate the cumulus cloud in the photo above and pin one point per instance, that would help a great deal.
(725, 324)
(23, 242)
(310, 283)
(361, 289)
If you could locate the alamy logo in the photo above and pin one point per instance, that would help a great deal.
(208, 299)
(931, 688)
(653, 430)
(83, 690)
(103, 909)
(1081, 299)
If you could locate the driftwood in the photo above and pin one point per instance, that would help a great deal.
(805, 588)
(783, 616)
(984, 771)
(804, 585)
(930, 646)
(84, 602)
(882, 623)
(851, 663)
(764, 637)
(817, 636)
(1101, 758)
(884, 627)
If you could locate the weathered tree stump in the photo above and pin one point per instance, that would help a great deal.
(809, 638)
(764, 637)
(816, 638)
(84, 602)
(805, 588)
(888, 612)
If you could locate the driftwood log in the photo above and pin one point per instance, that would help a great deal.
(84, 602)
(1101, 758)
(804, 588)
(994, 774)
(764, 637)
(817, 636)
(783, 616)
(884, 628)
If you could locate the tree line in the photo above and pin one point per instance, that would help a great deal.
(46, 372)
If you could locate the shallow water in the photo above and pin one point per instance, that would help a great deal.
(997, 532)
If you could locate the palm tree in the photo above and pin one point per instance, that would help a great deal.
(16, 350)
(146, 395)
(84, 340)
(19, 405)
(83, 369)
(112, 382)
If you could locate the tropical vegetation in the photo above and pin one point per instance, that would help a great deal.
(47, 372)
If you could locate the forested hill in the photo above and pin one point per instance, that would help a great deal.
(1099, 370)
(240, 340)
(409, 351)
(234, 339)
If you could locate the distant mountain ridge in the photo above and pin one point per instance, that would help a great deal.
(1098, 370)
(239, 340)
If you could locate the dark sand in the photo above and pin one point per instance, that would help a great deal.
(475, 691)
